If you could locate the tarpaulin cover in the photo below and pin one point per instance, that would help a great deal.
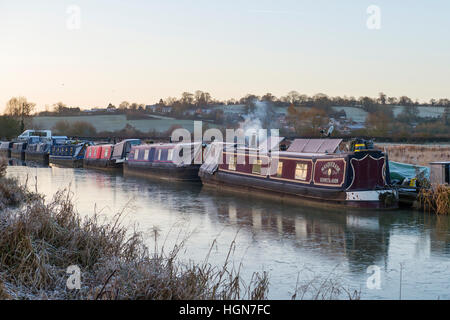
(400, 171)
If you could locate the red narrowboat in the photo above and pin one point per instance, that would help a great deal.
(99, 157)
(311, 169)
(171, 161)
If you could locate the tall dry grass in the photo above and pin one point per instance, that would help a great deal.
(40, 240)
(417, 154)
(435, 199)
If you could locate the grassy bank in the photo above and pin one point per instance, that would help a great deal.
(418, 155)
(40, 240)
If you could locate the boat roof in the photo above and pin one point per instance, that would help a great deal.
(175, 144)
(314, 146)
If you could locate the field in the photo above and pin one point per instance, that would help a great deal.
(116, 123)
(417, 154)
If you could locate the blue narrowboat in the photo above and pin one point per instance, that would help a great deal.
(122, 149)
(18, 150)
(5, 149)
(171, 161)
(68, 154)
(39, 152)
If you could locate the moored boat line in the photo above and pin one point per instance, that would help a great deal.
(310, 170)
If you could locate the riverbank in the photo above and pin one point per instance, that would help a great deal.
(417, 154)
(40, 240)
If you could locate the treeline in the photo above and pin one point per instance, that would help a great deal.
(200, 99)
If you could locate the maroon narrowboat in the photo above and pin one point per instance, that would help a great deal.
(311, 169)
(171, 161)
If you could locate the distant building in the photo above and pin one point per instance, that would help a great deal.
(166, 109)
(111, 108)
(151, 108)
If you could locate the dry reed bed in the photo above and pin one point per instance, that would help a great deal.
(435, 199)
(417, 154)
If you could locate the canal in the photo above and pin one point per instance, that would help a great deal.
(407, 251)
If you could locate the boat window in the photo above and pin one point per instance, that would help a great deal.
(146, 153)
(152, 154)
(256, 168)
(280, 169)
(232, 163)
(301, 171)
(170, 154)
(164, 155)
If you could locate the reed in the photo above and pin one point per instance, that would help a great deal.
(41, 239)
(417, 154)
(435, 199)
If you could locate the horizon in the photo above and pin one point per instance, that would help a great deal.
(89, 54)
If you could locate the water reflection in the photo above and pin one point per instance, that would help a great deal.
(283, 239)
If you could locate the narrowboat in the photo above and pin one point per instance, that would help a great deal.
(99, 156)
(38, 152)
(171, 161)
(68, 154)
(109, 157)
(5, 149)
(310, 169)
(18, 150)
(122, 149)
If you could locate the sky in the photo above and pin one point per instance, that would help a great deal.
(90, 53)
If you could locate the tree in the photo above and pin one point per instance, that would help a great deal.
(293, 97)
(169, 101)
(405, 101)
(268, 97)
(392, 100)
(202, 98)
(382, 98)
(187, 98)
(9, 127)
(134, 106)
(19, 107)
(59, 107)
(378, 124)
(124, 105)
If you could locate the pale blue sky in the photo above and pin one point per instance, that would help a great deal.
(141, 51)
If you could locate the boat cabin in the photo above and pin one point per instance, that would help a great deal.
(123, 148)
(5, 149)
(167, 153)
(440, 172)
(99, 152)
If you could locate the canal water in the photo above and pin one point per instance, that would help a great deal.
(407, 251)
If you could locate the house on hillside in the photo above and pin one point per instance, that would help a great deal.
(111, 108)
(166, 109)
(151, 108)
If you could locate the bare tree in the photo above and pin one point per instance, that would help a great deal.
(19, 107)
(124, 105)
